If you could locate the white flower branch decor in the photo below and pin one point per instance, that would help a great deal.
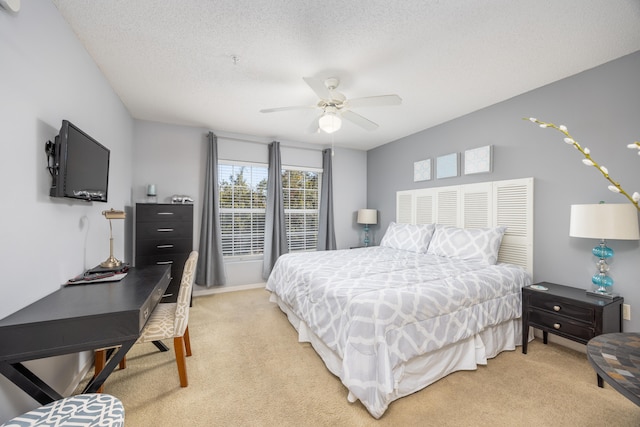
(588, 160)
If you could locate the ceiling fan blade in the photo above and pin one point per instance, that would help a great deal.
(359, 120)
(375, 101)
(314, 127)
(299, 107)
(318, 87)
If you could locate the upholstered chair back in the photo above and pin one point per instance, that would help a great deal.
(184, 294)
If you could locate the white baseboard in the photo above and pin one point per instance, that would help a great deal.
(230, 288)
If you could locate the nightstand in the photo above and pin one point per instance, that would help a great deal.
(568, 312)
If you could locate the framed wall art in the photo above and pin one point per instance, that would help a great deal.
(447, 166)
(422, 170)
(478, 160)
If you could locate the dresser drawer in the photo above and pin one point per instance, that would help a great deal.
(164, 212)
(562, 325)
(557, 305)
(176, 260)
(164, 230)
(163, 246)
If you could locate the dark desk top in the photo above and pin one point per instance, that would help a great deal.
(83, 317)
(616, 358)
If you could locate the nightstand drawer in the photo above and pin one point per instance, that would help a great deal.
(556, 305)
(562, 325)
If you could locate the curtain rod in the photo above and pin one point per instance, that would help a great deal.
(267, 143)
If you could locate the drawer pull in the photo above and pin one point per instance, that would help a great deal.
(557, 325)
(165, 213)
(145, 314)
(165, 230)
(164, 246)
(164, 262)
(556, 308)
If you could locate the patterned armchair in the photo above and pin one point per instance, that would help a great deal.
(87, 410)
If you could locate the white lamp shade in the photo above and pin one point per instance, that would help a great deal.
(604, 221)
(329, 122)
(367, 216)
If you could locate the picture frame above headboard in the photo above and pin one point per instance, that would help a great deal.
(506, 203)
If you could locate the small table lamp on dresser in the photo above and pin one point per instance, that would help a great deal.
(367, 217)
(604, 221)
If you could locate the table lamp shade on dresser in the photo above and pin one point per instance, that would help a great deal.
(604, 221)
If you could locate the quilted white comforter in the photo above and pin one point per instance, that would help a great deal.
(378, 307)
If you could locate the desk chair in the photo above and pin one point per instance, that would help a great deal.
(168, 320)
(171, 320)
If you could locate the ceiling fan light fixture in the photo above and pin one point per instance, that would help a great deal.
(329, 122)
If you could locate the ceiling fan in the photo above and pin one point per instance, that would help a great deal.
(335, 106)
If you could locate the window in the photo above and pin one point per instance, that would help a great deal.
(301, 200)
(243, 202)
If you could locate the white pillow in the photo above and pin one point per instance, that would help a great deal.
(480, 244)
(408, 237)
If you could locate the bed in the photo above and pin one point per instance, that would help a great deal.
(432, 299)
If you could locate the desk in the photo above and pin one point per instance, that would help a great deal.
(79, 318)
(616, 358)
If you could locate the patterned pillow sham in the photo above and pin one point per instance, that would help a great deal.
(408, 237)
(480, 244)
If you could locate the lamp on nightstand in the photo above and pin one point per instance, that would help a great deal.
(367, 217)
(604, 221)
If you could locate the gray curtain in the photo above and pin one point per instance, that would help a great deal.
(326, 229)
(275, 233)
(210, 269)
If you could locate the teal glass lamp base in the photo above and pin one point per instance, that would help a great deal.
(366, 235)
(602, 283)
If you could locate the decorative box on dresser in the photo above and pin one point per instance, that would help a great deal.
(164, 235)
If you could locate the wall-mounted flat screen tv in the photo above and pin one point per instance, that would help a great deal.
(80, 167)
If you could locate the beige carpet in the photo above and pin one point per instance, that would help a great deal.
(248, 369)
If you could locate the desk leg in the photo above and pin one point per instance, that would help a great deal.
(18, 374)
(97, 381)
(600, 382)
(161, 346)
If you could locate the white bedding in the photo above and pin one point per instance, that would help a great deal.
(377, 309)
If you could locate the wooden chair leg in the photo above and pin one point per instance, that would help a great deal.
(179, 346)
(101, 360)
(123, 363)
(187, 341)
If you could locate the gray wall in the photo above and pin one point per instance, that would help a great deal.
(47, 76)
(601, 108)
(173, 158)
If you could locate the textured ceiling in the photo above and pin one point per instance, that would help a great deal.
(172, 61)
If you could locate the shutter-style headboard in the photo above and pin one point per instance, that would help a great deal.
(486, 204)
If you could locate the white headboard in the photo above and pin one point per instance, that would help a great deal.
(486, 204)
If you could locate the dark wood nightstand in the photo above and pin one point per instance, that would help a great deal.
(568, 312)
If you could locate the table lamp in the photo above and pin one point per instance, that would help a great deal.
(112, 262)
(604, 221)
(367, 217)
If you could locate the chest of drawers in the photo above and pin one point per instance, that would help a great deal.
(164, 236)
